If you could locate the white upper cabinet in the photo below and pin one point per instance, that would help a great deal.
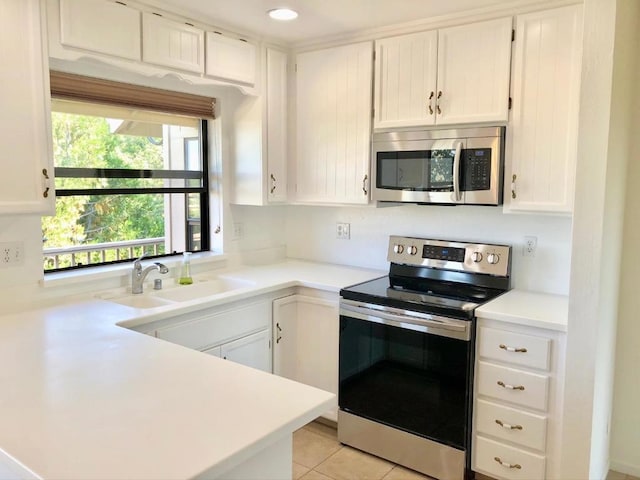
(405, 85)
(473, 72)
(259, 142)
(172, 44)
(450, 76)
(541, 138)
(102, 26)
(26, 185)
(230, 59)
(333, 104)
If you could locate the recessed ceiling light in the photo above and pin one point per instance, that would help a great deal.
(283, 14)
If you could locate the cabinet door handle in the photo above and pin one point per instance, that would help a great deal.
(510, 387)
(45, 183)
(364, 184)
(279, 337)
(507, 426)
(429, 104)
(513, 186)
(438, 102)
(513, 349)
(507, 465)
(273, 184)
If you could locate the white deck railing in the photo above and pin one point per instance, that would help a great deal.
(100, 252)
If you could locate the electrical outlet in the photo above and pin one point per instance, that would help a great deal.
(343, 231)
(11, 254)
(238, 230)
(530, 245)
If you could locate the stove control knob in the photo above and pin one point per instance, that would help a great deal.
(397, 248)
(476, 257)
(493, 258)
(412, 250)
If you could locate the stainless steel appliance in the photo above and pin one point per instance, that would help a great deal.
(456, 167)
(407, 352)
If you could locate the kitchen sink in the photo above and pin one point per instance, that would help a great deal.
(184, 293)
(139, 301)
(175, 293)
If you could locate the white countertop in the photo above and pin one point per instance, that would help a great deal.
(541, 310)
(83, 398)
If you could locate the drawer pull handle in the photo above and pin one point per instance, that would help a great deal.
(507, 465)
(507, 426)
(512, 349)
(510, 387)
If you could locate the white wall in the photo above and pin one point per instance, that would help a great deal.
(311, 234)
(625, 427)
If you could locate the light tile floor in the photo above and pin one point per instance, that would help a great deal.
(317, 455)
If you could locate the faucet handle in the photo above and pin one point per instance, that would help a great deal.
(136, 263)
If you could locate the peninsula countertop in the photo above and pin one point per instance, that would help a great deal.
(85, 398)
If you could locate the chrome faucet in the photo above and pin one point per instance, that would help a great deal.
(138, 274)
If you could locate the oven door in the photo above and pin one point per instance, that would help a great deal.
(422, 171)
(407, 370)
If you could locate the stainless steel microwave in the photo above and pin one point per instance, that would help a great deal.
(454, 167)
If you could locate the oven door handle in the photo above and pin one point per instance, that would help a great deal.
(456, 172)
(442, 326)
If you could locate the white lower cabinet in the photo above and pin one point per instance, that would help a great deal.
(240, 333)
(305, 340)
(253, 350)
(516, 426)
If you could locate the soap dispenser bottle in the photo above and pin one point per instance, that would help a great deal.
(185, 269)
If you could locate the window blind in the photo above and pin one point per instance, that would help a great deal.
(87, 89)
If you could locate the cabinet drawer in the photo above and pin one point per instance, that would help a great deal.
(516, 426)
(511, 385)
(501, 461)
(516, 348)
(213, 328)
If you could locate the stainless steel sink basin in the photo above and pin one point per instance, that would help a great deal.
(184, 293)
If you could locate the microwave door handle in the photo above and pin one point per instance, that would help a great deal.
(456, 172)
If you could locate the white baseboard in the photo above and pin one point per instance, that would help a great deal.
(626, 468)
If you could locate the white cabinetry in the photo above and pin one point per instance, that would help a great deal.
(238, 333)
(253, 350)
(230, 59)
(516, 401)
(333, 125)
(172, 44)
(260, 138)
(541, 138)
(305, 339)
(103, 26)
(26, 184)
(450, 76)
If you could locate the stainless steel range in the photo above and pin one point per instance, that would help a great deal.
(407, 353)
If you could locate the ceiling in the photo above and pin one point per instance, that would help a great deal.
(318, 18)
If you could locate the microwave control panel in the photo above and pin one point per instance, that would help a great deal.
(477, 169)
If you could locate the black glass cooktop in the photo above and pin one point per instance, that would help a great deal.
(437, 297)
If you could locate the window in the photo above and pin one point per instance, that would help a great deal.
(129, 181)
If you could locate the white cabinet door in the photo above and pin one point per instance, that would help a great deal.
(102, 26)
(172, 44)
(276, 124)
(305, 333)
(26, 184)
(405, 80)
(473, 72)
(230, 59)
(541, 138)
(253, 350)
(334, 124)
